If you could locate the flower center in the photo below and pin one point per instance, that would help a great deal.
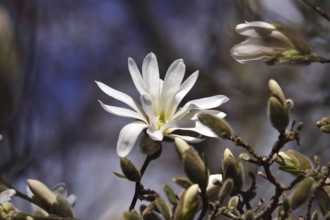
(161, 119)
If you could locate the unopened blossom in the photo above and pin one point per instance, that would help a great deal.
(157, 110)
(267, 41)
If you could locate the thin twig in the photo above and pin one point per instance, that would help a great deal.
(317, 9)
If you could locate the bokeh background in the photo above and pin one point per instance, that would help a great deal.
(52, 51)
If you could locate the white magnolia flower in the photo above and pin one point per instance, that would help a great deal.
(158, 111)
(266, 41)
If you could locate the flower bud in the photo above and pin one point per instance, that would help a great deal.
(131, 215)
(293, 162)
(41, 192)
(232, 169)
(233, 202)
(149, 146)
(181, 146)
(324, 124)
(170, 194)
(249, 215)
(189, 203)
(129, 170)
(182, 181)
(194, 168)
(61, 208)
(302, 193)
(219, 126)
(226, 189)
(163, 208)
(278, 107)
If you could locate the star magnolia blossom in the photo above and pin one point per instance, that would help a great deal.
(266, 41)
(158, 111)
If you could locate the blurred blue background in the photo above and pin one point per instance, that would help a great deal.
(52, 51)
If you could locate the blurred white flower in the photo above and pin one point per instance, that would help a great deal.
(267, 41)
(158, 110)
(5, 196)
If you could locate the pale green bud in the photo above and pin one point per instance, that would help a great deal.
(163, 208)
(218, 125)
(249, 215)
(324, 124)
(41, 192)
(129, 170)
(189, 204)
(232, 169)
(278, 109)
(226, 189)
(181, 146)
(233, 202)
(182, 181)
(170, 194)
(302, 193)
(131, 215)
(194, 167)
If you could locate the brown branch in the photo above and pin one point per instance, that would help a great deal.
(317, 9)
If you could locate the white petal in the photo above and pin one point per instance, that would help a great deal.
(124, 112)
(150, 74)
(203, 103)
(60, 190)
(136, 76)
(128, 136)
(183, 90)
(155, 134)
(6, 195)
(171, 85)
(255, 29)
(193, 114)
(119, 96)
(147, 105)
(188, 139)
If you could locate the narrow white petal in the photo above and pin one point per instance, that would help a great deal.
(136, 76)
(150, 74)
(184, 89)
(255, 29)
(155, 134)
(203, 103)
(172, 82)
(119, 96)
(124, 112)
(147, 105)
(193, 114)
(188, 139)
(128, 136)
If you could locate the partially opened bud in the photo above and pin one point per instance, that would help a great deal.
(218, 125)
(189, 203)
(293, 161)
(232, 169)
(41, 192)
(302, 193)
(129, 170)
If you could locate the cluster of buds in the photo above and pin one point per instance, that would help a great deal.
(324, 124)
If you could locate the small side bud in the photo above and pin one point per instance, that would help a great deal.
(276, 91)
(219, 126)
(129, 170)
(302, 193)
(233, 202)
(182, 181)
(324, 124)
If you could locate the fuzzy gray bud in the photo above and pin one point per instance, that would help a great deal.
(129, 170)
